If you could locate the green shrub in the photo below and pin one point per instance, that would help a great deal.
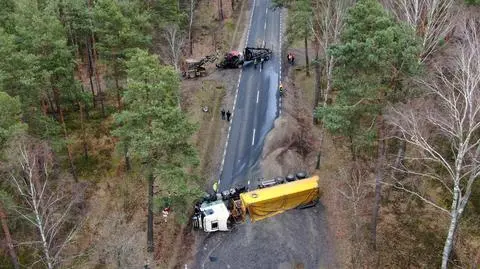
(473, 2)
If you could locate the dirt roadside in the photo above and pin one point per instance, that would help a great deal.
(293, 146)
(176, 245)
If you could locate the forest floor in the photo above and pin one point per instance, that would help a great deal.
(114, 234)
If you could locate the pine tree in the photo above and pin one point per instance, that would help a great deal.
(155, 131)
(120, 26)
(10, 118)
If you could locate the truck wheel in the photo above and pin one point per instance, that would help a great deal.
(290, 177)
(301, 175)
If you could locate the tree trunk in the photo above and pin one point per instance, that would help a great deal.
(447, 248)
(87, 115)
(150, 213)
(40, 224)
(97, 76)
(329, 71)
(318, 81)
(127, 158)
(399, 169)
(378, 178)
(90, 69)
(190, 40)
(44, 105)
(69, 151)
(220, 10)
(117, 84)
(8, 238)
(82, 126)
(307, 67)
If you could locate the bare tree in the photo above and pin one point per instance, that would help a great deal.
(190, 24)
(433, 20)
(355, 190)
(46, 207)
(327, 25)
(454, 119)
(175, 41)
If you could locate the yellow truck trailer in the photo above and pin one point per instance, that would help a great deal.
(258, 204)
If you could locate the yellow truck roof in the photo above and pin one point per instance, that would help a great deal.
(263, 203)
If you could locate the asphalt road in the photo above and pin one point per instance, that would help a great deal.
(294, 239)
(256, 101)
(297, 239)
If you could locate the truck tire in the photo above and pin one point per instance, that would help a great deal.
(280, 180)
(290, 177)
(301, 175)
(311, 204)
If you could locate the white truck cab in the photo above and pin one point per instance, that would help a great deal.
(212, 216)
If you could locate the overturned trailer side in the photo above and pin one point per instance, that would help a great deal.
(267, 202)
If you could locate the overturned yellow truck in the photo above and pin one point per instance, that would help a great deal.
(222, 213)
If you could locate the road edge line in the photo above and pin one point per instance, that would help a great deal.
(236, 95)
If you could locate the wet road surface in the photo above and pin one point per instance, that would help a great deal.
(256, 101)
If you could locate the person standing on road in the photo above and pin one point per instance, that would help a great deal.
(228, 115)
(223, 114)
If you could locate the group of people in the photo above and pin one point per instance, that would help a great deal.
(228, 114)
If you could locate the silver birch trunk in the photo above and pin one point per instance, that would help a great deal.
(447, 249)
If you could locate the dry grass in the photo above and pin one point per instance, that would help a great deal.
(198, 94)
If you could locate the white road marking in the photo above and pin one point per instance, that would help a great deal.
(280, 60)
(265, 26)
(258, 94)
(253, 137)
(236, 95)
